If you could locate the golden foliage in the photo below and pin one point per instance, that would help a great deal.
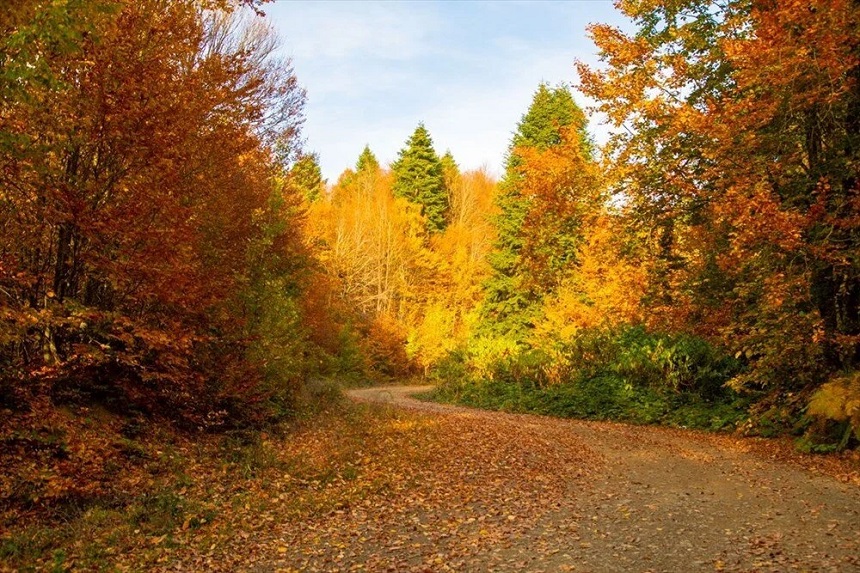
(391, 271)
(839, 400)
(604, 289)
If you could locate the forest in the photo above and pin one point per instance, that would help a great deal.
(177, 276)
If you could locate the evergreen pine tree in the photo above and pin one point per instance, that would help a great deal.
(419, 177)
(511, 302)
(306, 175)
(366, 171)
(450, 175)
(366, 161)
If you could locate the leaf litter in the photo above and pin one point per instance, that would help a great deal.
(441, 488)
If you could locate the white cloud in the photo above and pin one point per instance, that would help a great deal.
(374, 70)
(477, 119)
(340, 30)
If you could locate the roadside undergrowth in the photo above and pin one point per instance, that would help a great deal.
(162, 493)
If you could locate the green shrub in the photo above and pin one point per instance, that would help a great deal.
(452, 367)
(663, 362)
(628, 374)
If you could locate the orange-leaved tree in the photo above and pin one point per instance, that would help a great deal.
(739, 160)
(136, 170)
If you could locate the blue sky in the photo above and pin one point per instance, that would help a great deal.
(468, 70)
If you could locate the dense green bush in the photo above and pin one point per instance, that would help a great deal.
(629, 374)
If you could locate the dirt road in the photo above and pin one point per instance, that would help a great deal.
(656, 499)
(428, 487)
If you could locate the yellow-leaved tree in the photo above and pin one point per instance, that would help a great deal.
(445, 318)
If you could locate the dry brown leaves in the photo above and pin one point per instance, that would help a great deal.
(427, 494)
(383, 488)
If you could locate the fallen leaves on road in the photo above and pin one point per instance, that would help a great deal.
(425, 494)
(413, 487)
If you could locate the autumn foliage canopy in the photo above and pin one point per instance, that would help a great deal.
(169, 250)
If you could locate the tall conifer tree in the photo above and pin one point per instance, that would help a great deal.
(511, 299)
(419, 177)
(306, 175)
(366, 161)
(450, 174)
